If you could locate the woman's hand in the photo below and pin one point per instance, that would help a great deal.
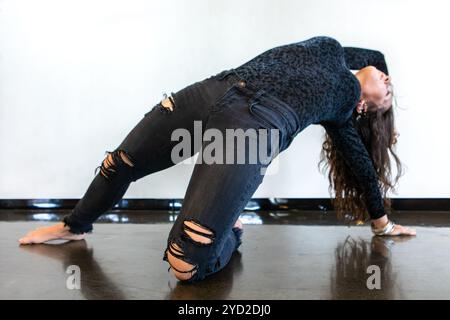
(397, 230)
(400, 230)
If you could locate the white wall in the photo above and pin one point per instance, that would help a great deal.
(76, 76)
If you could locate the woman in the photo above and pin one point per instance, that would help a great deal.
(280, 92)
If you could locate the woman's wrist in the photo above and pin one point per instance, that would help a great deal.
(380, 222)
(382, 226)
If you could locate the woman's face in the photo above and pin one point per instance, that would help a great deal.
(376, 86)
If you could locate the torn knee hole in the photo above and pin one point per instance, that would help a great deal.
(115, 158)
(168, 104)
(198, 233)
(126, 158)
(176, 248)
(180, 268)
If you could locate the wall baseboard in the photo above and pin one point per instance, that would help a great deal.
(321, 204)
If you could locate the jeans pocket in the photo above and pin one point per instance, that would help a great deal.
(267, 117)
(275, 115)
(271, 122)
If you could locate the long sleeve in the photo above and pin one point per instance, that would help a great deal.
(349, 144)
(357, 58)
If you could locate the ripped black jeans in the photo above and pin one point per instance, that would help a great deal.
(202, 236)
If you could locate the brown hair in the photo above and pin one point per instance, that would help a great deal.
(377, 131)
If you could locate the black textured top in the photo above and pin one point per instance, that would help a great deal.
(314, 77)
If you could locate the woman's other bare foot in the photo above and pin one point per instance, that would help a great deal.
(56, 231)
(238, 230)
(238, 224)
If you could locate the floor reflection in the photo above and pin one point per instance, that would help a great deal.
(95, 284)
(300, 262)
(350, 275)
(216, 286)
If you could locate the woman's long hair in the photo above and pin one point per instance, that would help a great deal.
(377, 131)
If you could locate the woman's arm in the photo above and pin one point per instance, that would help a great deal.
(349, 144)
(358, 58)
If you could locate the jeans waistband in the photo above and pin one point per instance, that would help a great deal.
(232, 77)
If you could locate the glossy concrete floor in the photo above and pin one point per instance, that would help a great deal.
(284, 255)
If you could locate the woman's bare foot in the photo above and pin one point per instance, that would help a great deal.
(56, 231)
(238, 224)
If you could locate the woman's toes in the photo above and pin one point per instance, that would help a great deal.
(26, 239)
(23, 240)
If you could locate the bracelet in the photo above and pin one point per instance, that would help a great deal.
(383, 230)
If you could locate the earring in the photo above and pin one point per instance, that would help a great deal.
(361, 107)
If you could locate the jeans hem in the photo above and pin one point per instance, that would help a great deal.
(76, 229)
